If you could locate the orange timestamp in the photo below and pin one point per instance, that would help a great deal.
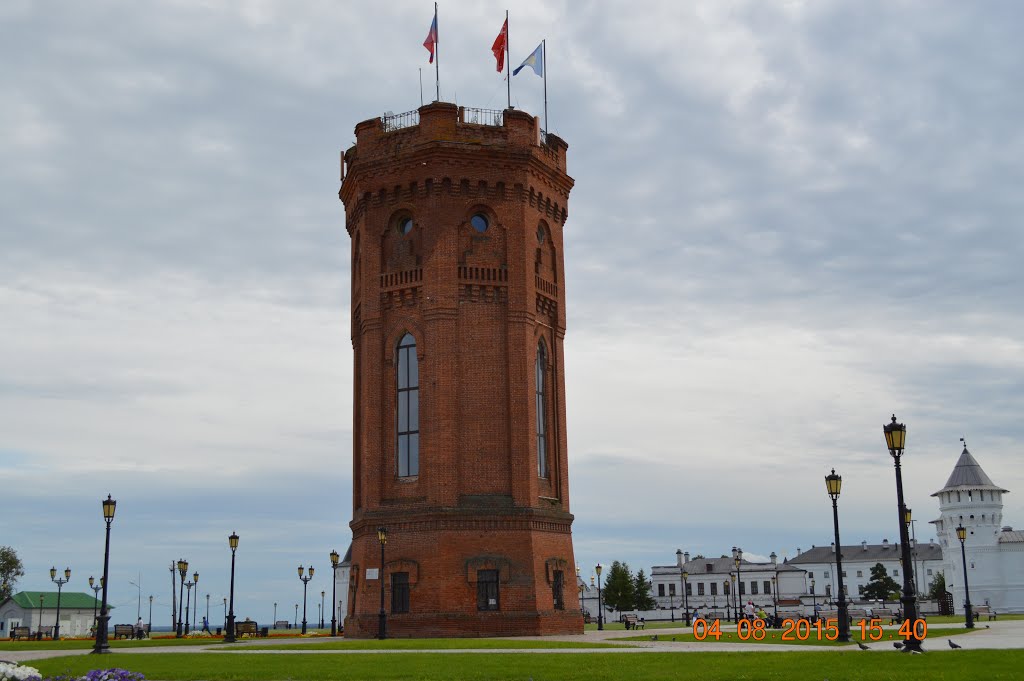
(802, 630)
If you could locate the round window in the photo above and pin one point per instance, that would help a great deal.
(479, 222)
(405, 225)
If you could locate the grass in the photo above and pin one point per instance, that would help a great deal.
(86, 643)
(774, 636)
(991, 665)
(437, 644)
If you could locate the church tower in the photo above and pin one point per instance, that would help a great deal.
(458, 316)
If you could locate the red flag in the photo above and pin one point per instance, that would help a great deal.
(499, 46)
(431, 42)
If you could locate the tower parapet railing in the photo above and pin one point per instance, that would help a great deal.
(407, 119)
(491, 117)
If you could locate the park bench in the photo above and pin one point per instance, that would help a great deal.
(633, 622)
(124, 631)
(985, 610)
(249, 628)
(21, 632)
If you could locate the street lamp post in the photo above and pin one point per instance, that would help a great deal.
(295, 622)
(101, 645)
(149, 630)
(195, 613)
(206, 620)
(334, 593)
(672, 604)
(382, 618)
(727, 593)
(40, 617)
(182, 571)
(229, 626)
(833, 485)
(275, 615)
(961, 534)
(188, 603)
(95, 600)
(735, 598)
(895, 439)
(305, 582)
(225, 620)
(775, 601)
(322, 609)
(737, 559)
(600, 604)
(686, 596)
(814, 602)
(60, 583)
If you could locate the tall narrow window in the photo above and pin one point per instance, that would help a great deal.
(557, 588)
(408, 408)
(487, 590)
(399, 592)
(542, 436)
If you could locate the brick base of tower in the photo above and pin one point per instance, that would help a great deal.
(443, 564)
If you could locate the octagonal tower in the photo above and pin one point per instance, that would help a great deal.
(458, 316)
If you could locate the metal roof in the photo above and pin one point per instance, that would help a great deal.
(863, 552)
(68, 599)
(968, 474)
(1011, 537)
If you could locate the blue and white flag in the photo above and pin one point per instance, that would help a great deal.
(535, 61)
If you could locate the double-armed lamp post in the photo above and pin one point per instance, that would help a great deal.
(60, 583)
(833, 485)
(101, 645)
(305, 582)
(895, 440)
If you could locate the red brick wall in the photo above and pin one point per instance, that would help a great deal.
(477, 304)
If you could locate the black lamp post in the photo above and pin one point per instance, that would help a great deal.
(600, 605)
(229, 626)
(833, 485)
(305, 581)
(275, 615)
(961, 534)
(775, 601)
(60, 583)
(672, 604)
(182, 571)
(188, 602)
(728, 606)
(334, 593)
(735, 598)
(95, 600)
(737, 559)
(295, 622)
(895, 439)
(149, 631)
(40, 616)
(686, 596)
(225, 599)
(195, 613)
(382, 618)
(322, 609)
(814, 602)
(101, 645)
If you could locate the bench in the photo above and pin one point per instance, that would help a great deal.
(985, 610)
(248, 628)
(21, 632)
(632, 622)
(124, 631)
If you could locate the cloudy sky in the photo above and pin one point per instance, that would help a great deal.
(790, 220)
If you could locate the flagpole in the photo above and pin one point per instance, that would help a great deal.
(508, 60)
(421, 86)
(437, 58)
(544, 51)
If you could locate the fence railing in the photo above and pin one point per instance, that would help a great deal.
(491, 117)
(394, 122)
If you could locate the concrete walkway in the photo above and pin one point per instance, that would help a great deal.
(991, 636)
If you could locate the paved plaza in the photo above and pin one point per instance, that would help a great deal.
(990, 636)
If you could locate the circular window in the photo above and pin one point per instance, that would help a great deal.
(405, 225)
(540, 234)
(479, 222)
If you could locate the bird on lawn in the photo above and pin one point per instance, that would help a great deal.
(654, 638)
(897, 644)
(952, 645)
(862, 646)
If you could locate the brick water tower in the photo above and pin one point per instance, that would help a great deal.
(458, 316)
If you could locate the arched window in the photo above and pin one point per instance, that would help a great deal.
(542, 435)
(408, 408)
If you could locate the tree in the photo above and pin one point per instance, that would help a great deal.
(881, 585)
(642, 588)
(618, 588)
(10, 569)
(937, 589)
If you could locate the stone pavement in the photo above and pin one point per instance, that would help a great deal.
(993, 635)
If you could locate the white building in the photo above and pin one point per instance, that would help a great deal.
(37, 610)
(994, 552)
(858, 559)
(342, 582)
(711, 583)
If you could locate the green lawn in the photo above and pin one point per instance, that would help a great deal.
(86, 643)
(775, 636)
(991, 665)
(435, 644)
